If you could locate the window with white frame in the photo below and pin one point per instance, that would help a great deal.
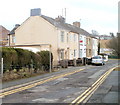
(13, 39)
(62, 55)
(85, 41)
(80, 53)
(62, 36)
(75, 37)
(80, 38)
(75, 51)
(67, 37)
(71, 37)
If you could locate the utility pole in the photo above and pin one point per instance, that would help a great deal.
(1, 67)
(65, 13)
(99, 46)
(9, 39)
(50, 58)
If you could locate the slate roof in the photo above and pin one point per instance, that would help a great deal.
(13, 30)
(66, 26)
(61, 25)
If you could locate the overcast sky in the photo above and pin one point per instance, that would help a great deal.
(99, 15)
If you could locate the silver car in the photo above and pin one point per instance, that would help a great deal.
(98, 60)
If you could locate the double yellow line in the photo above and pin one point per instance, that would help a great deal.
(28, 86)
(88, 93)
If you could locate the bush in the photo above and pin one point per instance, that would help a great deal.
(17, 58)
(36, 62)
(45, 59)
(113, 57)
(23, 57)
(10, 58)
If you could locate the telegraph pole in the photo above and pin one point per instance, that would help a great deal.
(99, 46)
(50, 58)
(1, 67)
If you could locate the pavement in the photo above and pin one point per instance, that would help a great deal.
(109, 91)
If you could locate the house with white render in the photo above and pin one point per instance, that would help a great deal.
(41, 32)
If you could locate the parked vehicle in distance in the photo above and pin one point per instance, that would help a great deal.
(89, 61)
(98, 60)
(105, 56)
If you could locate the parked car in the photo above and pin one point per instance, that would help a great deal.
(98, 60)
(105, 56)
(89, 61)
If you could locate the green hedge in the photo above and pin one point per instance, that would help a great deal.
(45, 59)
(113, 57)
(17, 58)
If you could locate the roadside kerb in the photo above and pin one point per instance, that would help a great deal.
(37, 83)
(88, 93)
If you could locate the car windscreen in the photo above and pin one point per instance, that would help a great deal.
(96, 57)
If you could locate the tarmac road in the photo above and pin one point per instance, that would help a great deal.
(65, 88)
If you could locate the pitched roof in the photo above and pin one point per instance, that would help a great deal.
(61, 25)
(66, 26)
(13, 30)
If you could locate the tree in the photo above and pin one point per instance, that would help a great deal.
(94, 32)
(115, 45)
(112, 34)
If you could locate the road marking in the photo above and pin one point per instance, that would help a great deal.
(17, 86)
(3, 94)
(88, 93)
(21, 85)
(13, 87)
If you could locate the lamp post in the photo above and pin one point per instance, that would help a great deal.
(9, 39)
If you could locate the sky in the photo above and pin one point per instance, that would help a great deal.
(98, 15)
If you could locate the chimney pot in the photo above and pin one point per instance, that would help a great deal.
(60, 19)
(17, 25)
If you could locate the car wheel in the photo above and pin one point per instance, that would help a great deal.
(102, 64)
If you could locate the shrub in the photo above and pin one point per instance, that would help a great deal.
(35, 59)
(45, 59)
(17, 58)
(10, 58)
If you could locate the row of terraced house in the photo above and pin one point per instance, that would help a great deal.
(65, 41)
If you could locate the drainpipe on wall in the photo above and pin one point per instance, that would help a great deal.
(99, 46)
(78, 46)
(9, 39)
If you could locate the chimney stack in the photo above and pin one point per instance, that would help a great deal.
(60, 19)
(77, 24)
(35, 12)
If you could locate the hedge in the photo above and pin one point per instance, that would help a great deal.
(45, 59)
(17, 58)
(113, 57)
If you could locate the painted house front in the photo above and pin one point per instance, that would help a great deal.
(82, 45)
(40, 32)
(44, 33)
(94, 46)
(89, 47)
